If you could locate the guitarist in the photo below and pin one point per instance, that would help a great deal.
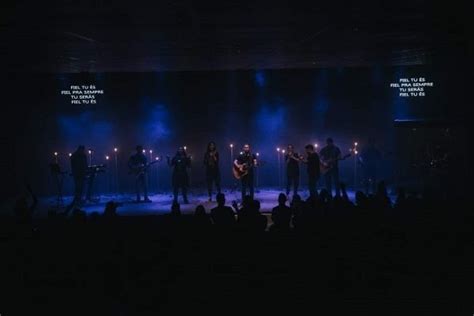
(292, 160)
(246, 162)
(137, 164)
(330, 155)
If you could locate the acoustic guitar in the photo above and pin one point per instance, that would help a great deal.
(141, 168)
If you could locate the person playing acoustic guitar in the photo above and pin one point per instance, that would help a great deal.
(244, 170)
(330, 155)
(137, 164)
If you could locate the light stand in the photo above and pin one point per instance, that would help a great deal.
(279, 167)
(116, 171)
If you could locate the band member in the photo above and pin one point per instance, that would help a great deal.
(79, 172)
(180, 179)
(246, 161)
(211, 163)
(330, 156)
(312, 163)
(292, 160)
(137, 163)
(370, 158)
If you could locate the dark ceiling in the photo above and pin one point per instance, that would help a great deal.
(109, 36)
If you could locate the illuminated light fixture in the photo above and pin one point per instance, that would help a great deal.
(278, 149)
(151, 151)
(55, 153)
(231, 145)
(283, 151)
(106, 157)
(115, 149)
(70, 154)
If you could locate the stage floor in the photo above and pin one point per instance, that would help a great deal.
(161, 202)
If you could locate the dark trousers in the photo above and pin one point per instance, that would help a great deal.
(213, 176)
(141, 184)
(312, 184)
(332, 176)
(180, 181)
(79, 183)
(247, 182)
(292, 179)
(78, 188)
(370, 180)
(90, 187)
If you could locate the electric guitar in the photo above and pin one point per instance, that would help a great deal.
(141, 169)
(327, 165)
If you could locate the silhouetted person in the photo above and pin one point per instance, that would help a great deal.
(200, 219)
(24, 212)
(381, 196)
(281, 215)
(180, 179)
(110, 211)
(137, 163)
(370, 158)
(296, 206)
(246, 163)
(79, 172)
(211, 163)
(175, 209)
(292, 160)
(249, 216)
(313, 169)
(222, 215)
(330, 156)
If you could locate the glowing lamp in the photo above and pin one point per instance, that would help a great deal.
(231, 145)
(355, 144)
(283, 151)
(115, 149)
(70, 154)
(258, 154)
(151, 151)
(90, 151)
(106, 157)
(55, 153)
(278, 149)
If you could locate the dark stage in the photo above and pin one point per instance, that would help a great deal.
(162, 202)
